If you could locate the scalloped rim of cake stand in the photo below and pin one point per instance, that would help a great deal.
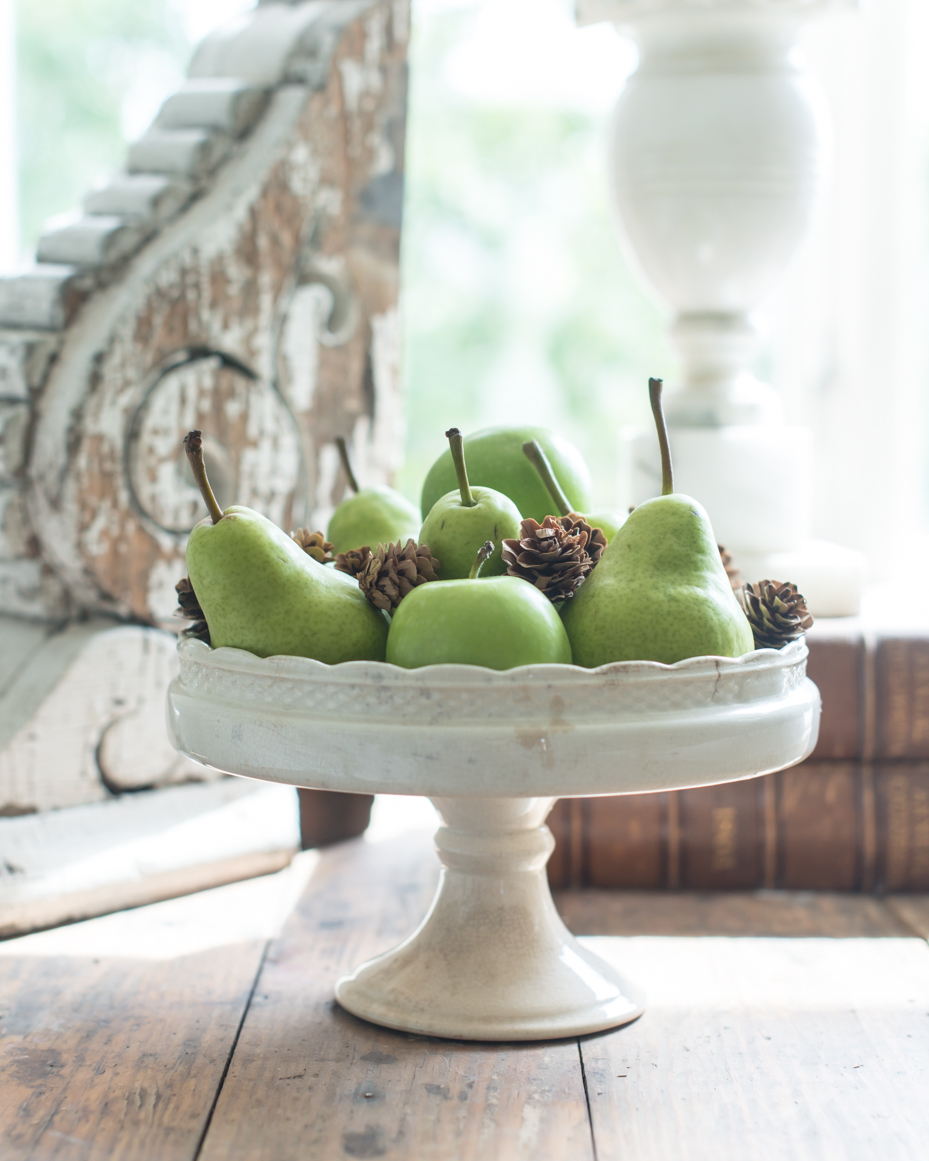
(459, 730)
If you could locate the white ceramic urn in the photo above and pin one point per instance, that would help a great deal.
(718, 150)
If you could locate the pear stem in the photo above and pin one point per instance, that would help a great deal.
(193, 445)
(533, 452)
(342, 449)
(456, 443)
(483, 553)
(667, 472)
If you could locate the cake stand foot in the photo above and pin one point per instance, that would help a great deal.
(492, 959)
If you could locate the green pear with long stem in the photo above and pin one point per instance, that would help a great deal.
(660, 591)
(499, 623)
(461, 521)
(370, 516)
(607, 521)
(496, 460)
(261, 592)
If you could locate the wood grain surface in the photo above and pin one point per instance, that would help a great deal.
(773, 1049)
(105, 1058)
(780, 1026)
(786, 913)
(309, 1080)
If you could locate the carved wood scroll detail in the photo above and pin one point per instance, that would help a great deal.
(265, 314)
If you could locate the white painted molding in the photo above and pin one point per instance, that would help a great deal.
(140, 197)
(226, 92)
(192, 153)
(70, 864)
(90, 240)
(69, 699)
(37, 299)
(277, 43)
(227, 104)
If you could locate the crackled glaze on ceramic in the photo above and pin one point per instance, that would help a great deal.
(492, 959)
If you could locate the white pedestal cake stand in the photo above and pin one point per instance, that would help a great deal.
(492, 959)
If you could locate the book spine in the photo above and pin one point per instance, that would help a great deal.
(823, 826)
(901, 689)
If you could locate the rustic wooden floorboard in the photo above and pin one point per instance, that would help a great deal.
(310, 1081)
(107, 1058)
(762, 913)
(755, 1045)
(913, 911)
(766, 1049)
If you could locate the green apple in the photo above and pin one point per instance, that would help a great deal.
(500, 623)
(461, 521)
(370, 516)
(496, 460)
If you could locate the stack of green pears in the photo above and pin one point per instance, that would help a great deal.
(660, 590)
(261, 592)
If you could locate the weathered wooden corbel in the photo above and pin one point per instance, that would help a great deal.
(240, 276)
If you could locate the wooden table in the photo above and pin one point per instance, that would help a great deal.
(779, 1027)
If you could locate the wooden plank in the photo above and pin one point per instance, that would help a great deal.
(771, 913)
(771, 1048)
(63, 865)
(114, 1033)
(913, 911)
(308, 1080)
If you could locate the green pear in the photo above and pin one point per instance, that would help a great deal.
(371, 516)
(499, 623)
(660, 591)
(461, 521)
(261, 592)
(496, 460)
(607, 521)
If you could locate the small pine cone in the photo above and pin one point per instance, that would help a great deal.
(189, 610)
(355, 561)
(551, 555)
(732, 570)
(393, 572)
(596, 541)
(776, 612)
(314, 544)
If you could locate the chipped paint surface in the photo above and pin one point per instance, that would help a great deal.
(266, 316)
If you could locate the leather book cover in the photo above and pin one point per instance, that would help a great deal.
(721, 836)
(838, 664)
(902, 826)
(901, 697)
(819, 827)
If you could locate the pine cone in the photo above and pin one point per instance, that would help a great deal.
(393, 572)
(552, 555)
(776, 612)
(355, 561)
(596, 541)
(732, 570)
(189, 610)
(314, 544)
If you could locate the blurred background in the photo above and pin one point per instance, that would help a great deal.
(518, 302)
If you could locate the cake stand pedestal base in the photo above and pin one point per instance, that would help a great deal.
(492, 959)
